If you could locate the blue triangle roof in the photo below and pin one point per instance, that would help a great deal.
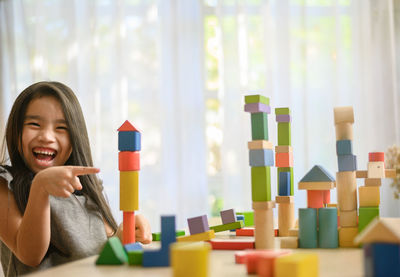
(318, 174)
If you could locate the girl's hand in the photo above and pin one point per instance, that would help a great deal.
(143, 230)
(61, 181)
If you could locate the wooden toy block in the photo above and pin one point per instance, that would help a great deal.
(284, 110)
(376, 170)
(308, 237)
(231, 244)
(383, 230)
(347, 163)
(348, 218)
(238, 218)
(260, 144)
(344, 131)
(264, 229)
(286, 218)
(263, 205)
(128, 229)
(190, 259)
(129, 141)
(205, 236)
(157, 235)
(372, 182)
(129, 191)
(369, 196)
(328, 228)
(259, 126)
(266, 264)
(241, 256)
(343, 114)
(228, 216)
(198, 224)
(287, 169)
(390, 173)
(283, 148)
(318, 174)
(361, 174)
(127, 127)
(227, 227)
(284, 159)
(161, 257)
(135, 257)
(316, 185)
(382, 259)
(284, 199)
(261, 157)
(248, 218)
(366, 215)
(283, 118)
(129, 161)
(257, 108)
(245, 232)
(346, 184)
(293, 232)
(289, 243)
(284, 184)
(253, 258)
(136, 246)
(261, 183)
(284, 136)
(113, 253)
(297, 265)
(318, 198)
(376, 157)
(344, 147)
(346, 236)
(256, 99)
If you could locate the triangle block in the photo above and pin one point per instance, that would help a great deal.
(318, 174)
(127, 127)
(380, 230)
(113, 253)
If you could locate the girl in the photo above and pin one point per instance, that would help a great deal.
(52, 209)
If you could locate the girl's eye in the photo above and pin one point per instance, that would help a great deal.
(62, 128)
(33, 124)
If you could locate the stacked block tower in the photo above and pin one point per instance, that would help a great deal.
(284, 163)
(261, 159)
(129, 145)
(346, 181)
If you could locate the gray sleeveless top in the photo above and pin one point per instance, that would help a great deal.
(77, 231)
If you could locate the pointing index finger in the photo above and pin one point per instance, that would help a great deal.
(84, 170)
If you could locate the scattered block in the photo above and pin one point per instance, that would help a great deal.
(372, 182)
(344, 131)
(344, 147)
(284, 136)
(284, 183)
(198, 224)
(261, 157)
(283, 118)
(113, 253)
(289, 243)
(256, 98)
(366, 215)
(261, 183)
(231, 244)
(240, 256)
(259, 126)
(257, 108)
(376, 157)
(347, 163)
(347, 235)
(190, 259)
(266, 264)
(308, 228)
(284, 159)
(205, 236)
(253, 258)
(227, 227)
(129, 141)
(297, 265)
(248, 218)
(343, 114)
(129, 190)
(369, 196)
(228, 216)
(376, 170)
(348, 218)
(318, 198)
(346, 183)
(260, 144)
(129, 161)
(316, 185)
(328, 228)
(245, 232)
(382, 259)
(318, 174)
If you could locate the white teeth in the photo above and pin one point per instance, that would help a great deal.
(44, 153)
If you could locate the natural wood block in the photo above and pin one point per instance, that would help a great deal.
(293, 232)
(369, 196)
(346, 184)
(361, 174)
(289, 243)
(129, 191)
(390, 173)
(316, 185)
(285, 218)
(347, 235)
(264, 228)
(372, 182)
(263, 205)
(384, 230)
(343, 114)
(284, 199)
(348, 218)
(376, 170)
(344, 131)
(260, 144)
(283, 149)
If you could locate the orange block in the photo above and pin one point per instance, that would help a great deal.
(284, 159)
(265, 263)
(129, 161)
(318, 198)
(128, 231)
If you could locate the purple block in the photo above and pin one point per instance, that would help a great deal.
(198, 224)
(257, 108)
(283, 118)
(228, 216)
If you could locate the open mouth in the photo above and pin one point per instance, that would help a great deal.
(44, 155)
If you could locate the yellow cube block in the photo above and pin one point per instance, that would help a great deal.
(369, 196)
(190, 259)
(129, 191)
(208, 235)
(347, 235)
(297, 265)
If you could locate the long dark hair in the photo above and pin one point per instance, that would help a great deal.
(80, 156)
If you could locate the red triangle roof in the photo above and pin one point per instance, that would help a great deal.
(127, 126)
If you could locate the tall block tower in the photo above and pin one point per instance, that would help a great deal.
(129, 146)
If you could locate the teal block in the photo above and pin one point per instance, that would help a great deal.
(284, 137)
(328, 236)
(261, 157)
(318, 174)
(259, 126)
(308, 235)
(256, 98)
(286, 169)
(344, 147)
(365, 216)
(261, 183)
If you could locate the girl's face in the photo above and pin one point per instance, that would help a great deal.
(45, 137)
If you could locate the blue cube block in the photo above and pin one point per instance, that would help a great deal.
(238, 218)
(133, 247)
(344, 147)
(261, 157)
(382, 259)
(347, 162)
(284, 184)
(129, 141)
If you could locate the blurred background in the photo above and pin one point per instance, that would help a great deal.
(179, 69)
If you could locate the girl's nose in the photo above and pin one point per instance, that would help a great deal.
(46, 135)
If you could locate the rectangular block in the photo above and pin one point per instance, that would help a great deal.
(205, 236)
(294, 232)
(289, 243)
(261, 183)
(361, 174)
(344, 131)
(308, 235)
(283, 148)
(259, 126)
(227, 227)
(343, 114)
(283, 118)
(284, 184)
(348, 218)
(255, 257)
(286, 169)
(297, 265)
(372, 182)
(284, 159)
(257, 108)
(198, 224)
(128, 231)
(286, 219)
(369, 196)
(284, 133)
(260, 144)
(157, 235)
(190, 259)
(376, 170)
(318, 198)
(366, 215)
(263, 205)
(129, 191)
(248, 218)
(284, 199)
(346, 184)
(256, 98)
(245, 232)
(347, 163)
(376, 157)
(129, 141)
(284, 110)
(264, 236)
(231, 245)
(129, 161)
(228, 216)
(390, 173)
(344, 147)
(316, 185)
(347, 235)
(261, 157)
(382, 259)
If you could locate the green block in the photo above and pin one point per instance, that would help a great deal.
(282, 111)
(227, 227)
(135, 257)
(366, 215)
(284, 137)
(113, 253)
(261, 183)
(256, 99)
(308, 235)
(328, 236)
(248, 218)
(286, 169)
(157, 235)
(259, 126)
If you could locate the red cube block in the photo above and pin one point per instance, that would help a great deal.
(129, 161)
(284, 159)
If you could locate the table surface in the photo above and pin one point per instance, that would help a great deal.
(332, 262)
